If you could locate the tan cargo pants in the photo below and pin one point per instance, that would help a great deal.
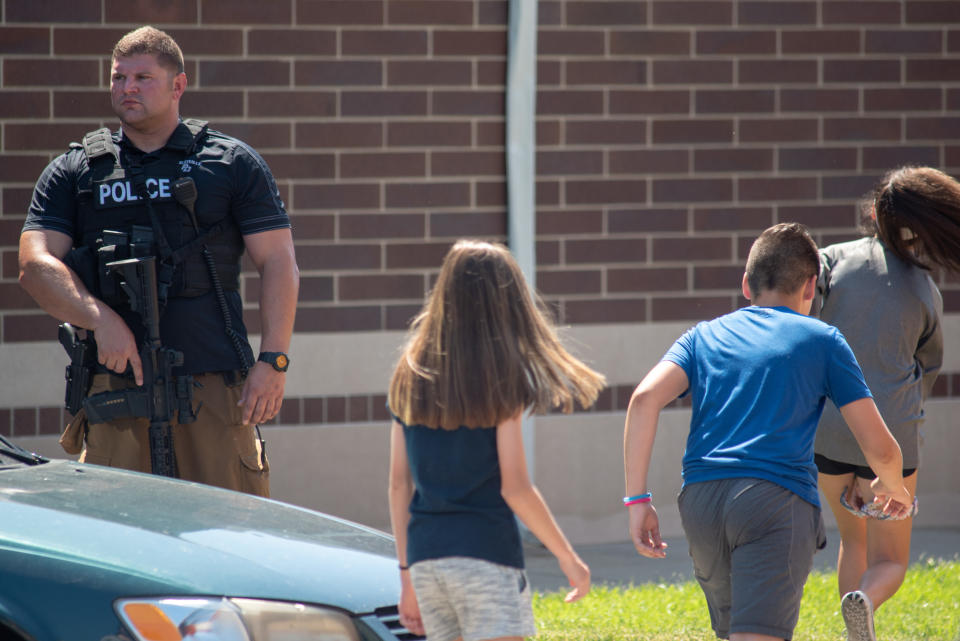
(216, 449)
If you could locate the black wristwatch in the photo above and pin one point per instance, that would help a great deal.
(278, 360)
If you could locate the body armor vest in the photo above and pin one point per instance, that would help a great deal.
(188, 245)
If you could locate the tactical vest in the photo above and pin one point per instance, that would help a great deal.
(111, 198)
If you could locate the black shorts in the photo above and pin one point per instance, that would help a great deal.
(829, 466)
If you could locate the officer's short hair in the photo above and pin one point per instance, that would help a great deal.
(151, 41)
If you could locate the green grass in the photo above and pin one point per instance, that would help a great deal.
(927, 606)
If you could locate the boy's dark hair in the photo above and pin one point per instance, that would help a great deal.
(917, 216)
(151, 41)
(782, 259)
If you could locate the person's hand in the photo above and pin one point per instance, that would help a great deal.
(855, 497)
(578, 574)
(897, 502)
(409, 609)
(262, 394)
(645, 531)
(116, 346)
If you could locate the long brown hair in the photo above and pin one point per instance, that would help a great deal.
(918, 216)
(482, 348)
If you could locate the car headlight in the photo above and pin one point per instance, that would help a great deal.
(222, 619)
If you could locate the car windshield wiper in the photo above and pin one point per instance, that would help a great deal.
(17, 453)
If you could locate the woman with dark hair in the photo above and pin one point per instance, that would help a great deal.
(878, 291)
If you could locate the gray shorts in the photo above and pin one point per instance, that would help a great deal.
(752, 544)
(472, 598)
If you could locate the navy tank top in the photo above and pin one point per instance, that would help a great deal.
(457, 508)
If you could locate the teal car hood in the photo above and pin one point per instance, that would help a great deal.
(156, 536)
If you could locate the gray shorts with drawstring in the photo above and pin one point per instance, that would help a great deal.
(752, 544)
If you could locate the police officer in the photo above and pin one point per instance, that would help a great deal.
(126, 181)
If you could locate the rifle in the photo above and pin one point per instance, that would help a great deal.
(161, 389)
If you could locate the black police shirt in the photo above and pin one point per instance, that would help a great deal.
(232, 179)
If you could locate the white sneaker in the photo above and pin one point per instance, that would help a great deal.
(858, 616)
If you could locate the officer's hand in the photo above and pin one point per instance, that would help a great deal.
(262, 394)
(116, 346)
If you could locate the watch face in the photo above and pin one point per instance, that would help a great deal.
(282, 361)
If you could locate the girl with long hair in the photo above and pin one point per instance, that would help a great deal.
(879, 293)
(479, 354)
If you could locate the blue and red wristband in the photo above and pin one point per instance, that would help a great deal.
(639, 498)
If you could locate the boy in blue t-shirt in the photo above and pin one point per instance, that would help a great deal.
(758, 379)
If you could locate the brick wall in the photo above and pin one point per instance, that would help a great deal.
(669, 133)
(358, 408)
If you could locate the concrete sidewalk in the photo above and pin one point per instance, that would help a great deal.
(619, 564)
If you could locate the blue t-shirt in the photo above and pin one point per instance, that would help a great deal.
(758, 381)
(457, 508)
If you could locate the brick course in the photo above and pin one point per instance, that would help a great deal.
(360, 408)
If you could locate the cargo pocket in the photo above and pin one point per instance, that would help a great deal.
(227, 453)
(72, 438)
(254, 465)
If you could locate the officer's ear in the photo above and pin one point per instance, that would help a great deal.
(179, 85)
